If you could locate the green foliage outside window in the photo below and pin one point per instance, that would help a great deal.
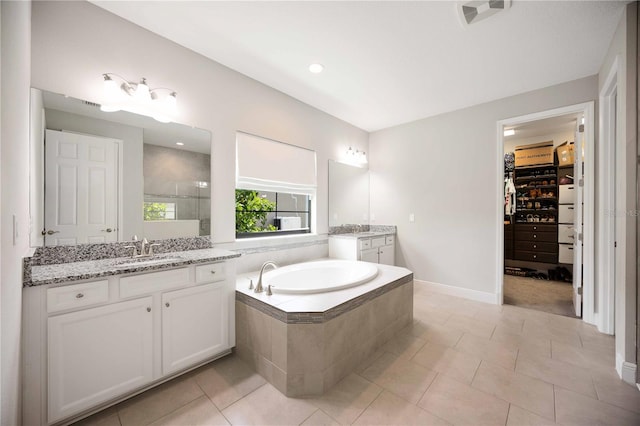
(251, 212)
(154, 211)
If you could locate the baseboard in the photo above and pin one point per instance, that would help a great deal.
(466, 293)
(626, 370)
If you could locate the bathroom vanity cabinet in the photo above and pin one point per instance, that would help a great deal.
(371, 248)
(92, 343)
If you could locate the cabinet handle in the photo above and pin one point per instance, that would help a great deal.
(535, 246)
(167, 304)
(212, 272)
(570, 208)
(535, 228)
(79, 296)
(535, 256)
(148, 309)
(535, 236)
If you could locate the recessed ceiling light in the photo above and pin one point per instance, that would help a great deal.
(509, 132)
(179, 143)
(316, 68)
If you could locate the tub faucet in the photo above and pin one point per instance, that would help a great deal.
(259, 288)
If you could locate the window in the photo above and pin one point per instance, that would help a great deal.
(275, 187)
(159, 211)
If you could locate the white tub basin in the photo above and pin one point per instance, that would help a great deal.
(319, 277)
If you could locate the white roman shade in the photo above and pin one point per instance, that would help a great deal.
(267, 165)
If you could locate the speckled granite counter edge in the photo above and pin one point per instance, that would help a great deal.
(320, 317)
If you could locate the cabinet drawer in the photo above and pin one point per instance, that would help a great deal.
(565, 234)
(565, 254)
(210, 273)
(155, 281)
(539, 247)
(567, 194)
(531, 256)
(565, 213)
(508, 254)
(377, 242)
(365, 244)
(77, 296)
(530, 227)
(508, 245)
(389, 239)
(537, 236)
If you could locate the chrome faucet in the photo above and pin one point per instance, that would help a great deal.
(259, 288)
(146, 249)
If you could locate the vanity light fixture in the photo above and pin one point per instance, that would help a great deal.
(509, 132)
(138, 98)
(356, 157)
(316, 68)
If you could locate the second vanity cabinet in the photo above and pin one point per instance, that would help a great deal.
(375, 249)
(91, 343)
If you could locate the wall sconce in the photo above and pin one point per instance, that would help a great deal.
(356, 157)
(138, 98)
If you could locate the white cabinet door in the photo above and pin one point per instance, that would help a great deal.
(98, 354)
(369, 255)
(386, 255)
(194, 325)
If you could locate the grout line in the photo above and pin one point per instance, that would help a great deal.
(371, 403)
(506, 421)
(309, 416)
(555, 414)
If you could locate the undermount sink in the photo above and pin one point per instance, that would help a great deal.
(147, 261)
(364, 234)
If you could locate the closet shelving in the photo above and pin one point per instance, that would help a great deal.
(536, 194)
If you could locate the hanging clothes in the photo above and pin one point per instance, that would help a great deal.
(509, 197)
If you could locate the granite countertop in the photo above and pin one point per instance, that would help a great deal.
(84, 270)
(360, 235)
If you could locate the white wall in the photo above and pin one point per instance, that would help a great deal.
(623, 47)
(75, 42)
(14, 197)
(443, 170)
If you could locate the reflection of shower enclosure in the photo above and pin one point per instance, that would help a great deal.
(179, 201)
(177, 188)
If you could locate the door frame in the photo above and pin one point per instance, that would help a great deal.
(605, 317)
(588, 109)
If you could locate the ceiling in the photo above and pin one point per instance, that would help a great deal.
(544, 127)
(389, 62)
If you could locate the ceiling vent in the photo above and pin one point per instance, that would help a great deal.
(475, 11)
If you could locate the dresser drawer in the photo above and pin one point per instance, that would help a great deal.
(566, 234)
(377, 242)
(211, 273)
(77, 296)
(565, 213)
(537, 246)
(537, 227)
(365, 244)
(389, 239)
(565, 254)
(531, 256)
(550, 237)
(567, 194)
(136, 285)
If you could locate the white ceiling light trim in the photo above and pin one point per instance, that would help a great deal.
(316, 68)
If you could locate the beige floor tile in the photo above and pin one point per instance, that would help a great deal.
(471, 325)
(498, 353)
(611, 389)
(389, 409)
(369, 360)
(440, 358)
(524, 343)
(502, 320)
(405, 344)
(559, 373)
(404, 378)
(267, 406)
(200, 412)
(527, 392)
(430, 314)
(348, 399)
(459, 403)
(436, 333)
(108, 417)
(521, 417)
(320, 418)
(227, 380)
(585, 357)
(534, 329)
(157, 403)
(575, 409)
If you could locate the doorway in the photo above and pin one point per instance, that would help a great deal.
(542, 241)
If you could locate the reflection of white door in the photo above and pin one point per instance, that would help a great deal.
(578, 181)
(80, 188)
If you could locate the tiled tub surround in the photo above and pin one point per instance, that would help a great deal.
(305, 344)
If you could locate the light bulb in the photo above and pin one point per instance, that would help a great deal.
(111, 92)
(141, 93)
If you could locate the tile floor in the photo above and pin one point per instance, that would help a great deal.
(460, 363)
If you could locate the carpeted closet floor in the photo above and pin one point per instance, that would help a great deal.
(555, 297)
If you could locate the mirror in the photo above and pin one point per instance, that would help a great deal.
(348, 194)
(100, 177)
